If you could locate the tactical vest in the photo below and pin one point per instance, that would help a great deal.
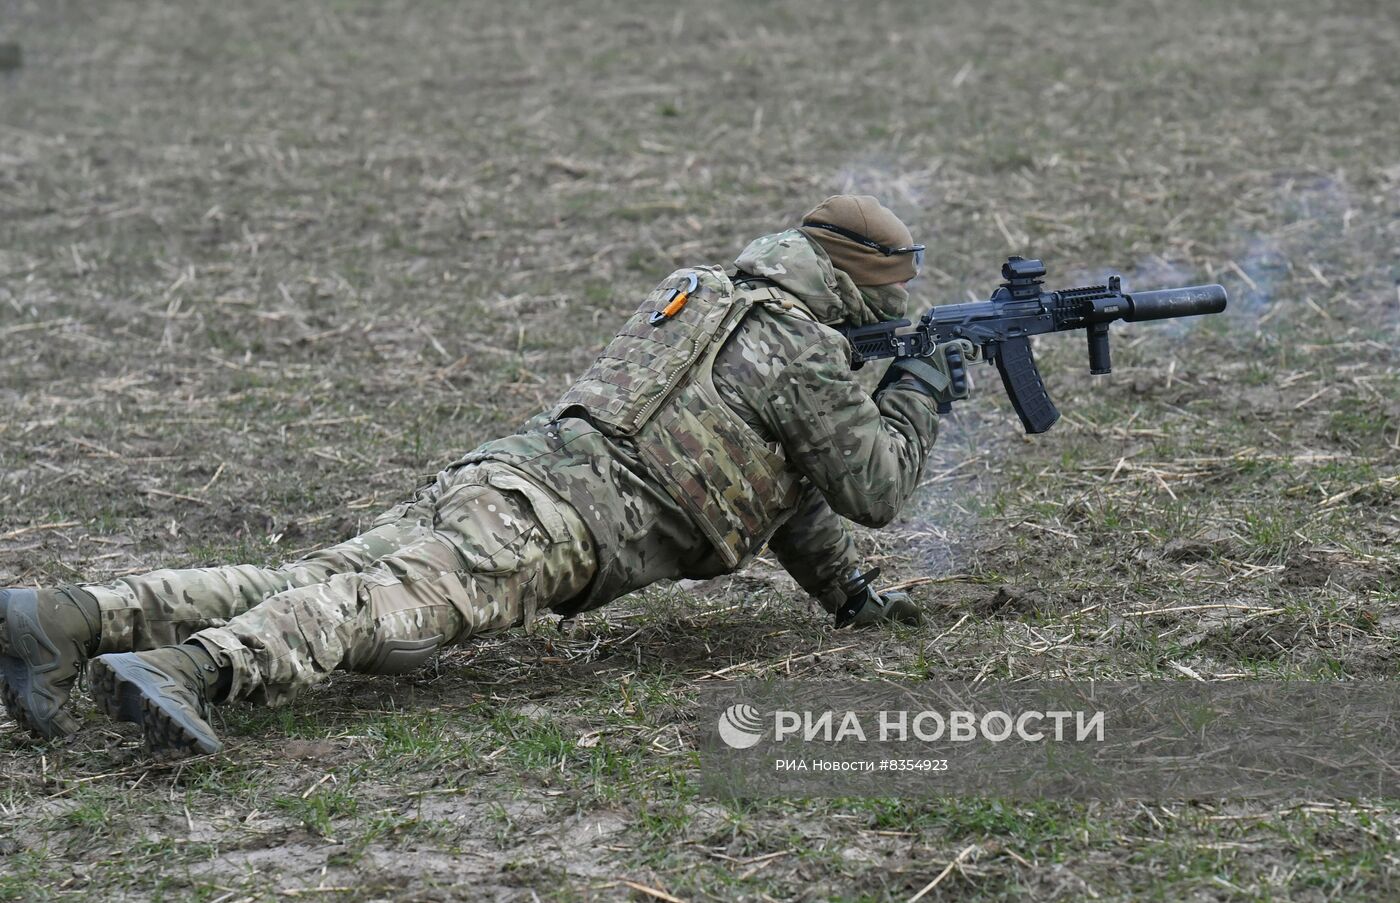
(653, 384)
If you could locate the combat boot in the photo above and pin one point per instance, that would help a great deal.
(167, 691)
(46, 635)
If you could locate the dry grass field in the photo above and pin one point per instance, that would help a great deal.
(263, 265)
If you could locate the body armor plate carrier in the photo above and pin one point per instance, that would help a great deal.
(653, 384)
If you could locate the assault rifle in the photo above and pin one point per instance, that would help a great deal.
(999, 330)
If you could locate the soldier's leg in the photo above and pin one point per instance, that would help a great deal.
(166, 606)
(499, 549)
(46, 635)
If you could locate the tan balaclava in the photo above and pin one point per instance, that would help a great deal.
(865, 216)
(878, 276)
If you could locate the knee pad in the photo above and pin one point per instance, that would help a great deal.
(393, 656)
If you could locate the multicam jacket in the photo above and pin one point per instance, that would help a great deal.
(737, 421)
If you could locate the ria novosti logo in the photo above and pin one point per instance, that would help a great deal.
(740, 726)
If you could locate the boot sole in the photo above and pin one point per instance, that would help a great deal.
(127, 691)
(17, 672)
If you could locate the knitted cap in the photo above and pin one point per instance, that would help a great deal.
(866, 216)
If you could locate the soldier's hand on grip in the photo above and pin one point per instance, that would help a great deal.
(957, 369)
(942, 375)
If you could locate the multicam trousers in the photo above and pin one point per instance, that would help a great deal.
(481, 549)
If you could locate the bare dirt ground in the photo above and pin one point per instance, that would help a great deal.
(262, 265)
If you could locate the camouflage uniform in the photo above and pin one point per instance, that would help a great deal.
(479, 549)
(683, 450)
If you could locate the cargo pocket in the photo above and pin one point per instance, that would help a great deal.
(491, 531)
(489, 601)
(484, 526)
(542, 504)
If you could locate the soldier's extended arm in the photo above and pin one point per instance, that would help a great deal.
(816, 548)
(863, 455)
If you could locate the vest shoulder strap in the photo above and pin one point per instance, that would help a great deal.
(770, 295)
